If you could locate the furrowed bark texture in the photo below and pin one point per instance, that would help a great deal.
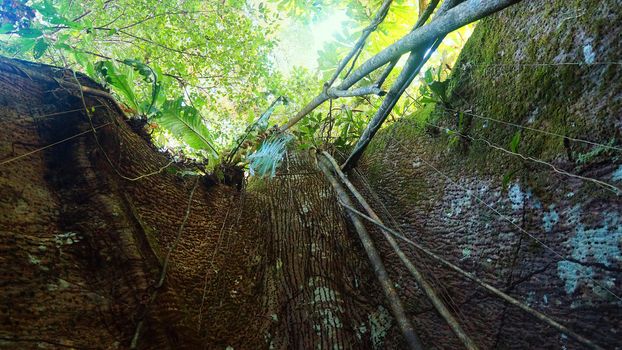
(82, 249)
(546, 65)
(278, 265)
(320, 289)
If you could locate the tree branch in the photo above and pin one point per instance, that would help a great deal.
(415, 62)
(419, 277)
(365, 90)
(423, 17)
(463, 14)
(491, 289)
(378, 18)
(387, 285)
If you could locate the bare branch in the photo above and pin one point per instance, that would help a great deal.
(463, 14)
(414, 271)
(388, 288)
(423, 17)
(415, 62)
(362, 91)
(380, 15)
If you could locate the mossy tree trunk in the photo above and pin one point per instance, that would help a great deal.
(550, 71)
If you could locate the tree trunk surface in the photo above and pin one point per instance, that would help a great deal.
(83, 248)
(550, 71)
(276, 265)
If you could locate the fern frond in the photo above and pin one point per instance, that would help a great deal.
(268, 157)
(121, 80)
(185, 123)
(260, 125)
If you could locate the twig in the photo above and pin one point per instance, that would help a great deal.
(423, 17)
(415, 62)
(378, 18)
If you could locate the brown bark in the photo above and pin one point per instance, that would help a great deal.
(528, 68)
(83, 247)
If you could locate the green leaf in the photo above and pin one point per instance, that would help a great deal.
(118, 80)
(507, 177)
(25, 45)
(6, 27)
(185, 123)
(40, 47)
(429, 78)
(64, 47)
(86, 63)
(515, 142)
(428, 99)
(440, 89)
(150, 76)
(29, 33)
(45, 8)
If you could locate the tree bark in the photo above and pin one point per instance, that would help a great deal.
(83, 247)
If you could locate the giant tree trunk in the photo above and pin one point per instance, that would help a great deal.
(553, 67)
(83, 247)
(276, 265)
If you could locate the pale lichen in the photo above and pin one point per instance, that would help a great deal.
(380, 322)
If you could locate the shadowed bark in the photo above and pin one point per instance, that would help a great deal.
(83, 247)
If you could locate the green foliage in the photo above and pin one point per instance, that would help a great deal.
(307, 129)
(200, 71)
(584, 158)
(349, 128)
(515, 142)
(40, 47)
(256, 130)
(151, 77)
(120, 79)
(191, 49)
(185, 123)
(432, 89)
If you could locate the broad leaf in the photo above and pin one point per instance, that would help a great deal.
(514, 143)
(40, 47)
(185, 123)
(111, 74)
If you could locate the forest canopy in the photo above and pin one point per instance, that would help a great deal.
(211, 78)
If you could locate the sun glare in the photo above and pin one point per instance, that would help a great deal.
(299, 44)
(324, 31)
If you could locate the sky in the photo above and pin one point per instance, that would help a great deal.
(299, 43)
